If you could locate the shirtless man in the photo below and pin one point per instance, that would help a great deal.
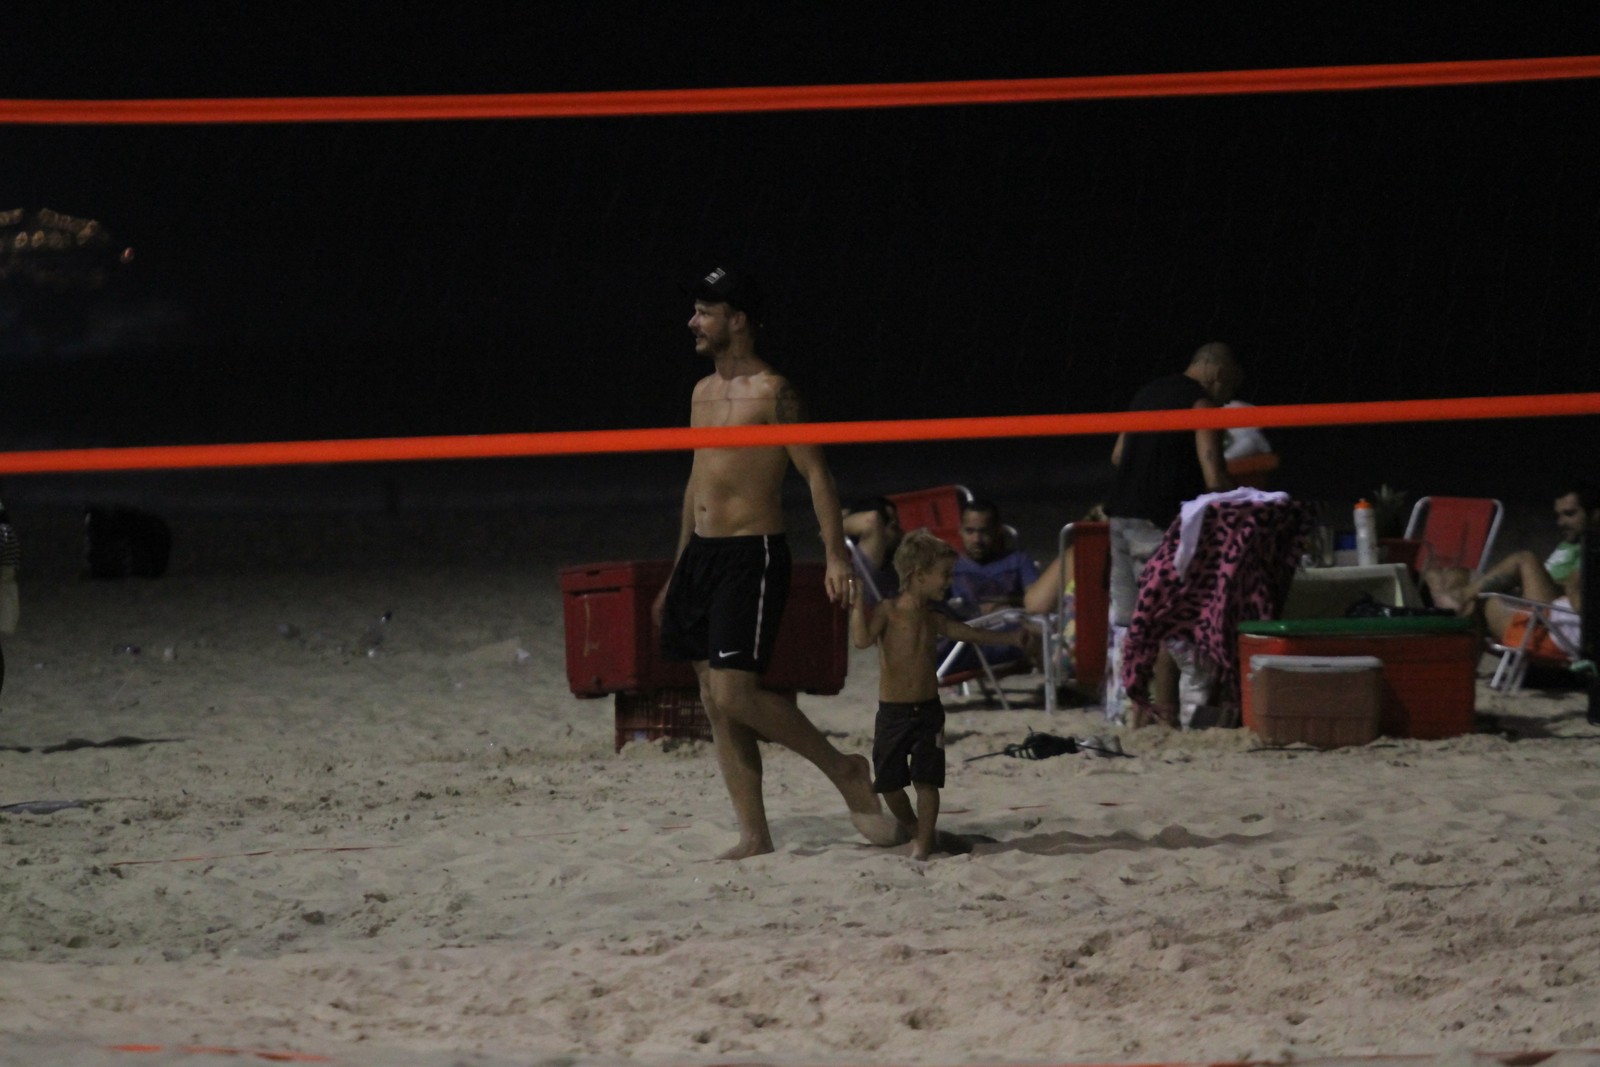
(720, 610)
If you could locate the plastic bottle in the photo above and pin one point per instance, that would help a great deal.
(1366, 535)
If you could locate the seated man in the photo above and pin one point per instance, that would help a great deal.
(1554, 580)
(990, 575)
(875, 530)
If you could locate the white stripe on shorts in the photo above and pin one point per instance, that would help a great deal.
(761, 599)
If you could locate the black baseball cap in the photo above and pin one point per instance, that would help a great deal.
(736, 288)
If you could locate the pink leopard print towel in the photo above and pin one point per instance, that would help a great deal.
(1241, 570)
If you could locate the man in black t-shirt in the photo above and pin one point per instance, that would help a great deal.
(1157, 472)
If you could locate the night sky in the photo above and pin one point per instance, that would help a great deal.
(352, 280)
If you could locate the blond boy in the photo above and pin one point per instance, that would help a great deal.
(908, 734)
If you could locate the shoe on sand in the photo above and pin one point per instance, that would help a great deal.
(1104, 747)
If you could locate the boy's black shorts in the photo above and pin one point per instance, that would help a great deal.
(908, 745)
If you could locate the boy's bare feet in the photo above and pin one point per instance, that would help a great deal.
(944, 843)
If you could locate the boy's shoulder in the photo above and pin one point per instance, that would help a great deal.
(906, 608)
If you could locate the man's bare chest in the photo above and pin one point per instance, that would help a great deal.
(733, 410)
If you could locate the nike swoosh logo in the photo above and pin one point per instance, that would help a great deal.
(725, 655)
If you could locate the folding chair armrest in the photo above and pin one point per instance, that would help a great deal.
(863, 573)
(994, 619)
(1006, 617)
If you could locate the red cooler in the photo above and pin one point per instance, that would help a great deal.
(1429, 665)
(613, 647)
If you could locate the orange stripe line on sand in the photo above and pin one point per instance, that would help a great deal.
(793, 97)
(227, 1050)
(1510, 1059)
(248, 855)
(580, 442)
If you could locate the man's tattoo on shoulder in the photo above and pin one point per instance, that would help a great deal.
(788, 406)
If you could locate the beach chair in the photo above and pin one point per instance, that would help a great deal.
(1075, 651)
(938, 509)
(1451, 531)
(1544, 636)
(1074, 635)
(987, 674)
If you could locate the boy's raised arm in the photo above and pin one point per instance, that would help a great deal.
(960, 631)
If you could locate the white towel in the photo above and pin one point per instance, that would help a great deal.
(1191, 517)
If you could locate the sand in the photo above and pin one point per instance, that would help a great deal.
(431, 854)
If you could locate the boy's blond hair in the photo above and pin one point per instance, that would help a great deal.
(918, 552)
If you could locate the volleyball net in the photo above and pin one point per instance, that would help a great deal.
(825, 98)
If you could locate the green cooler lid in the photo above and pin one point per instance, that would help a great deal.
(1408, 624)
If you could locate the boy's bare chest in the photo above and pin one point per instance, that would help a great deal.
(912, 633)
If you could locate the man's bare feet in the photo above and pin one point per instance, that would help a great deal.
(866, 807)
(745, 849)
(855, 785)
(1451, 588)
(882, 830)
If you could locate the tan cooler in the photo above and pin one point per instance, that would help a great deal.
(1326, 701)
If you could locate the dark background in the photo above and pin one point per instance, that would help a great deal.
(353, 280)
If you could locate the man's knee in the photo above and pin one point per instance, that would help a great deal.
(1497, 619)
(727, 694)
(708, 692)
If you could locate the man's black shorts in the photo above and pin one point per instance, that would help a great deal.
(725, 600)
(908, 745)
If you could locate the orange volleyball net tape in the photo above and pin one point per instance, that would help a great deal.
(208, 1051)
(783, 98)
(795, 97)
(579, 442)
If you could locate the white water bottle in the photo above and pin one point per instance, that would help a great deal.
(1366, 535)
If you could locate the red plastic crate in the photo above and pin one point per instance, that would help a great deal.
(614, 647)
(1429, 678)
(675, 713)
